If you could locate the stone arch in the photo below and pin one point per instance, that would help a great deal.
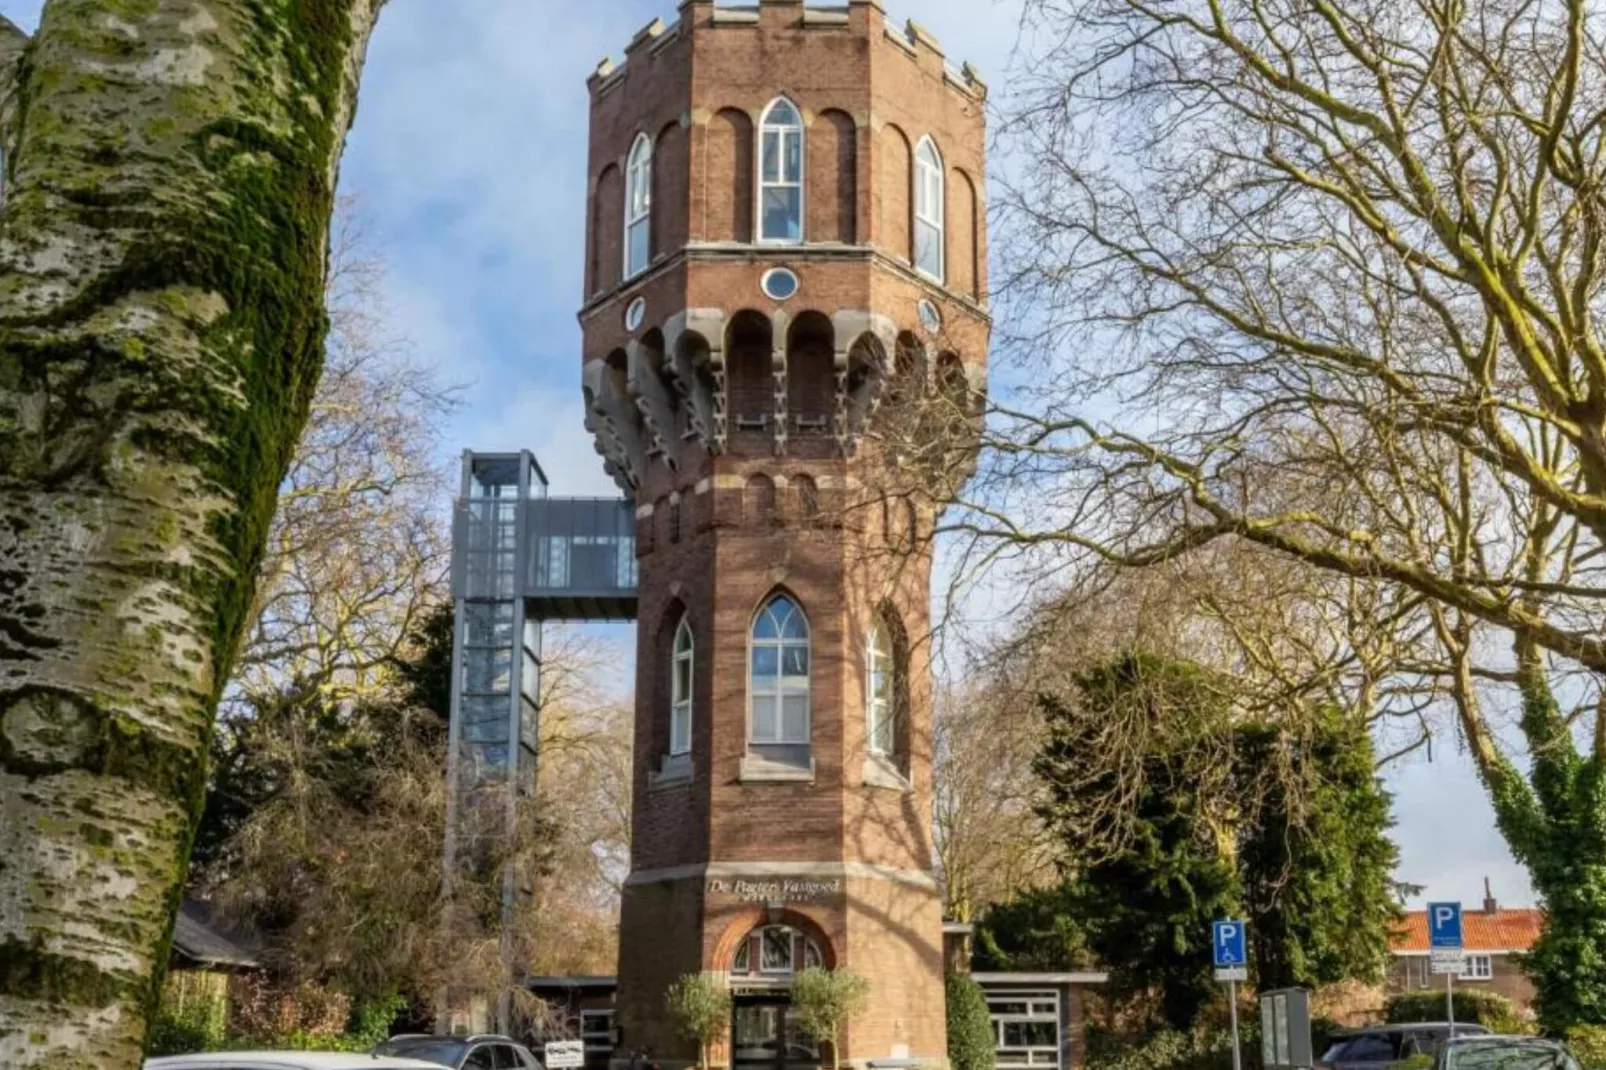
(669, 179)
(728, 172)
(607, 229)
(833, 180)
(759, 505)
(750, 370)
(963, 234)
(810, 372)
(895, 183)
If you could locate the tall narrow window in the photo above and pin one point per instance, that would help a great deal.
(778, 680)
(680, 692)
(929, 201)
(882, 684)
(780, 186)
(638, 208)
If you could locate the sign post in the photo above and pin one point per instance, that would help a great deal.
(1447, 951)
(1228, 940)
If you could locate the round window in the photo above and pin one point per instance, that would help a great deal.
(635, 313)
(930, 318)
(780, 284)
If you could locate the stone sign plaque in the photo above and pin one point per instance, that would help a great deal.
(775, 889)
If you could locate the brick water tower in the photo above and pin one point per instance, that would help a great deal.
(786, 275)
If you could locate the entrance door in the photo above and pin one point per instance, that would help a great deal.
(765, 1035)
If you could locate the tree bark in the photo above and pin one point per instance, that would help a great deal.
(163, 243)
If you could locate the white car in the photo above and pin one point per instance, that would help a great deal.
(284, 1060)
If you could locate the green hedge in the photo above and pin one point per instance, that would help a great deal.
(970, 1027)
(1588, 1044)
(1168, 1049)
(1485, 1008)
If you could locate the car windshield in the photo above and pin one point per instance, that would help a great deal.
(1366, 1048)
(443, 1050)
(1509, 1055)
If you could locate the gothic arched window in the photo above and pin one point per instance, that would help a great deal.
(930, 197)
(680, 691)
(881, 699)
(638, 208)
(780, 173)
(778, 676)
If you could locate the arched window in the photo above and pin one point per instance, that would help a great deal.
(929, 201)
(638, 208)
(778, 676)
(780, 173)
(680, 681)
(880, 702)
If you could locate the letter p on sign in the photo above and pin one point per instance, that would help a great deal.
(1229, 944)
(1444, 925)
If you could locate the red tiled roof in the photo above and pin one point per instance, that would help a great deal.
(1504, 930)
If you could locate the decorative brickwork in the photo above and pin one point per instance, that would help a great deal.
(744, 414)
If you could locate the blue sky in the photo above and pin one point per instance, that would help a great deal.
(468, 159)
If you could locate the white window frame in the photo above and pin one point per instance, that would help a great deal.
(781, 686)
(882, 662)
(597, 1039)
(931, 182)
(680, 704)
(1480, 967)
(1041, 1006)
(765, 128)
(638, 204)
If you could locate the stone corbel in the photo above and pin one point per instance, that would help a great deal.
(854, 411)
(781, 325)
(705, 408)
(653, 402)
(612, 419)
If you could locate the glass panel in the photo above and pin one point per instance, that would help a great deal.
(792, 157)
(777, 951)
(488, 671)
(928, 248)
(764, 726)
(767, 626)
(639, 232)
(772, 156)
(793, 624)
(1010, 1007)
(794, 660)
(488, 624)
(682, 678)
(680, 729)
(1030, 1035)
(766, 663)
(782, 114)
(783, 213)
(795, 719)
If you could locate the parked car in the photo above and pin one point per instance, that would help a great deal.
(1504, 1053)
(284, 1060)
(483, 1051)
(1366, 1049)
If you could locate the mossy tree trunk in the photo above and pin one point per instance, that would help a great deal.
(170, 173)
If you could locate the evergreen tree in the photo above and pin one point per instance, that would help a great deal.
(1314, 857)
(1147, 897)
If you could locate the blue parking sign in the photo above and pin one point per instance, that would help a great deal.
(1228, 939)
(1444, 926)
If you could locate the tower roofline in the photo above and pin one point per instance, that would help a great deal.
(913, 38)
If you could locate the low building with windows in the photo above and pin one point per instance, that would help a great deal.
(1495, 938)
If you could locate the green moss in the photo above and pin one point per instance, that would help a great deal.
(32, 973)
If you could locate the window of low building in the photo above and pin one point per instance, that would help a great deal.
(1026, 1029)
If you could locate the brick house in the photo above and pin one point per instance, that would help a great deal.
(1495, 938)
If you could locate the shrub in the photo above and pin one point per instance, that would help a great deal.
(1485, 1008)
(970, 1026)
(1588, 1044)
(1168, 1049)
(193, 1016)
(701, 1008)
